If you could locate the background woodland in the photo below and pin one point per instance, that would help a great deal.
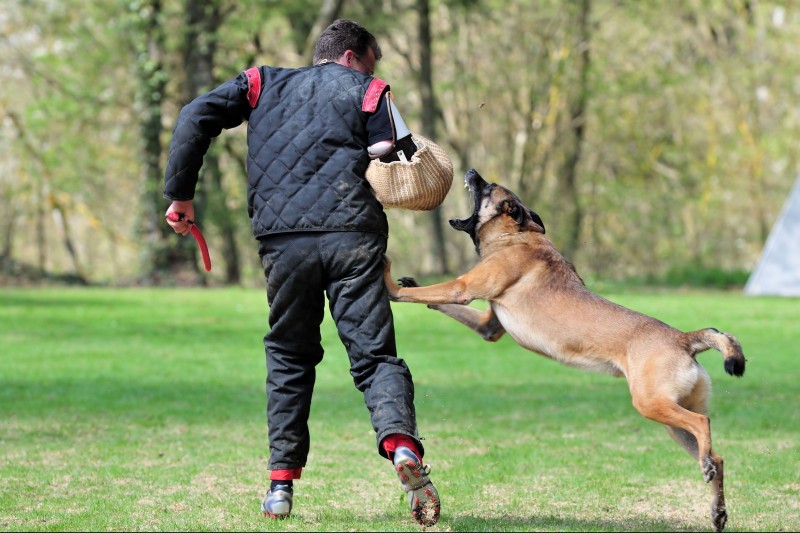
(655, 139)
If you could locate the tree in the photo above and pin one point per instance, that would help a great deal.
(162, 258)
(203, 22)
(430, 113)
(664, 143)
(577, 126)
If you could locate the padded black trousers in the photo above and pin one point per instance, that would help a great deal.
(300, 269)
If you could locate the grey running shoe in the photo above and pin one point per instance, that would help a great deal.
(422, 495)
(278, 502)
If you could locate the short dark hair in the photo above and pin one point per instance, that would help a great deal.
(343, 35)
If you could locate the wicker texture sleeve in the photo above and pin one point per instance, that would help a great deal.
(419, 185)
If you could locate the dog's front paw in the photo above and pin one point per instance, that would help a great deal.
(408, 282)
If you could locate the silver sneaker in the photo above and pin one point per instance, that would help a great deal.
(277, 503)
(422, 495)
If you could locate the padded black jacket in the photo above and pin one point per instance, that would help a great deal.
(307, 148)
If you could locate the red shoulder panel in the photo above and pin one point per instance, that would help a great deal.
(253, 85)
(373, 96)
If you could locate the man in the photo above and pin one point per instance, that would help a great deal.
(311, 134)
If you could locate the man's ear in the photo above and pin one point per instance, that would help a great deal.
(346, 59)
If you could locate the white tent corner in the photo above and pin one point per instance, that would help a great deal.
(778, 270)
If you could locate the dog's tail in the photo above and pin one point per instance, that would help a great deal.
(724, 343)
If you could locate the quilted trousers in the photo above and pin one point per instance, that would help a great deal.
(300, 269)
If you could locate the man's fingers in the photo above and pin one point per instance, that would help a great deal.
(180, 227)
(178, 222)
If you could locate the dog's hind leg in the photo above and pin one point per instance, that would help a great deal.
(671, 414)
(685, 439)
(719, 514)
(692, 430)
(697, 402)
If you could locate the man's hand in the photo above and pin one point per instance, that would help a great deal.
(186, 211)
(180, 216)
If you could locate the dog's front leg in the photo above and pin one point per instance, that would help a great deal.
(449, 292)
(484, 324)
(475, 284)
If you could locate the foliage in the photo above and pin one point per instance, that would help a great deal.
(694, 276)
(687, 152)
(143, 409)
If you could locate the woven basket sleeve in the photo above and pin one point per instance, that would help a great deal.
(420, 184)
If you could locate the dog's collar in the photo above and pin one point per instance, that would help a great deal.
(500, 237)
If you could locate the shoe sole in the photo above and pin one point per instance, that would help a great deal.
(423, 497)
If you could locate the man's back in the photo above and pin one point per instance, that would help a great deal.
(307, 140)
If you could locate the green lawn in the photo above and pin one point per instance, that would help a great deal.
(129, 409)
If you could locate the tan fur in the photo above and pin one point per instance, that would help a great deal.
(538, 298)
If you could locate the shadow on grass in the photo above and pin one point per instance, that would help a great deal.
(551, 522)
(558, 523)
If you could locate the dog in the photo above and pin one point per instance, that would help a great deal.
(537, 296)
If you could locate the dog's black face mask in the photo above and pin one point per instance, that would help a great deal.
(476, 184)
(481, 189)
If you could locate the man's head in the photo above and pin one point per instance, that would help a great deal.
(349, 44)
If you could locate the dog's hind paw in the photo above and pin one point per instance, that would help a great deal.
(407, 282)
(709, 469)
(719, 517)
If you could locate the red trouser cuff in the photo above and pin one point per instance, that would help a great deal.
(285, 475)
(391, 442)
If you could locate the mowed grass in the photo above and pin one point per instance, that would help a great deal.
(144, 409)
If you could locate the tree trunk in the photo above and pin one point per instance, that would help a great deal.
(204, 19)
(42, 190)
(578, 125)
(163, 256)
(8, 230)
(223, 218)
(429, 114)
(63, 213)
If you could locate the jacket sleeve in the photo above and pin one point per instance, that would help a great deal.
(198, 123)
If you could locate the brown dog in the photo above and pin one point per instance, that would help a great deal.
(539, 299)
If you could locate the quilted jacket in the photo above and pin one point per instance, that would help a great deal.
(307, 149)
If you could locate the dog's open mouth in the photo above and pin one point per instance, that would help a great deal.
(475, 183)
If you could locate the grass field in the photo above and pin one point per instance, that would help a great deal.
(144, 410)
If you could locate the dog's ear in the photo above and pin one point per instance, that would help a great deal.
(533, 222)
(526, 219)
(513, 209)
